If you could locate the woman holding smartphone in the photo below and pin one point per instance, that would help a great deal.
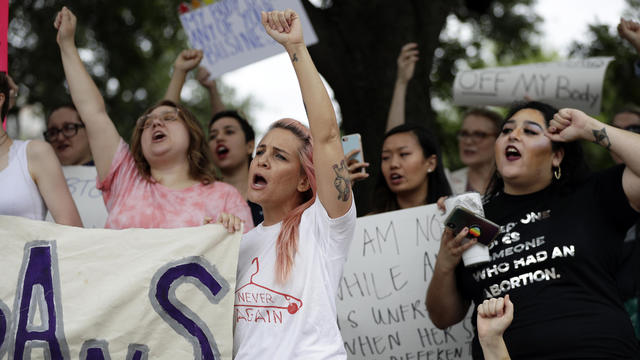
(290, 265)
(562, 230)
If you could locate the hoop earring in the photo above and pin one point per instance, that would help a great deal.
(557, 173)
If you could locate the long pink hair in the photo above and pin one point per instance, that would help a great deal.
(287, 242)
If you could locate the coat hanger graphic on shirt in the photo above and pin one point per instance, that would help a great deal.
(294, 304)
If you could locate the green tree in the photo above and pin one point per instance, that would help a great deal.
(360, 40)
(131, 45)
(128, 48)
(621, 86)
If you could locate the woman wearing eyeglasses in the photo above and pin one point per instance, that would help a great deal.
(476, 137)
(66, 133)
(166, 179)
(30, 176)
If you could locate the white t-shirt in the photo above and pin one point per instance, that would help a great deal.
(295, 320)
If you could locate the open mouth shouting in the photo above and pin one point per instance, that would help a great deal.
(158, 136)
(258, 182)
(512, 153)
(222, 151)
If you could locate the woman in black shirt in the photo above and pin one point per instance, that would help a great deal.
(561, 234)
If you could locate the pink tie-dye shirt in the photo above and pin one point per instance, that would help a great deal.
(133, 202)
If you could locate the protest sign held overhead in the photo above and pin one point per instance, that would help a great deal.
(73, 293)
(571, 83)
(381, 309)
(231, 35)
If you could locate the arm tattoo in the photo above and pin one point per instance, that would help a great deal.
(342, 181)
(601, 138)
(295, 58)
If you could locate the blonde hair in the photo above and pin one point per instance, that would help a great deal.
(287, 242)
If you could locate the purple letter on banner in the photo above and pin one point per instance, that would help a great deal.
(99, 350)
(4, 326)
(162, 293)
(39, 290)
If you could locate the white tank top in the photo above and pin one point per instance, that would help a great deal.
(19, 195)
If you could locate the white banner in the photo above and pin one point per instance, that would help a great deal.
(381, 308)
(231, 34)
(82, 185)
(72, 293)
(571, 83)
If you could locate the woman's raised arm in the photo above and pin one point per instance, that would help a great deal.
(406, 65)
(102, 133)
(572, 124)
(332, 174)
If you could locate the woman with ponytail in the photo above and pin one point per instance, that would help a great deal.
(290, 265)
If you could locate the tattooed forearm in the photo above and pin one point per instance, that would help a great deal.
(601, 138)
(342, 181)
(294, 58)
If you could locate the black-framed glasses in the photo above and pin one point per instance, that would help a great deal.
(68, 130)
(473, 135)
(146, 121)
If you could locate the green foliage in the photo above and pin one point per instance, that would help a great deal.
(128, 48)
(621, 86)
(502, 34)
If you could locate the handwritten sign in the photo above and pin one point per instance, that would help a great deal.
(571, 83)
(381, 309)
(73, 293)
(231, 34)
(82, 185)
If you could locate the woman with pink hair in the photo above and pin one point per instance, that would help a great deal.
(290, 265)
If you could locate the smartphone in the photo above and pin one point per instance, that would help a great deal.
(479, 228)
(350, 143)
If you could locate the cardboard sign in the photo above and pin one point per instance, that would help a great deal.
(381, 308)
(231, 34)
(73, 293)
(82, 185)
(572, 83)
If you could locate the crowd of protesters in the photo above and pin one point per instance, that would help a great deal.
(293, 199)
